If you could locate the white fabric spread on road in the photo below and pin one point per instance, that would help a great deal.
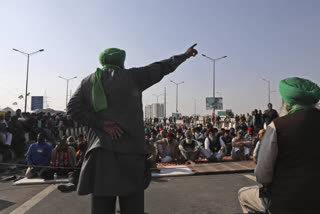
(26, 181)
(173, 171)
(34, 200)
(251, 177)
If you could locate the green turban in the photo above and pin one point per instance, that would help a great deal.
(111, 57)
(299, 91)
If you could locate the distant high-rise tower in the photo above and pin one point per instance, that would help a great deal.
(155, 110)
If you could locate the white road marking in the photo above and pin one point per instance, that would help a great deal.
(251, 177)
(34, 200)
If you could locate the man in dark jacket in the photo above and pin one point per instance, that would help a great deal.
(288, 173)
(270, 114)
(109, 102)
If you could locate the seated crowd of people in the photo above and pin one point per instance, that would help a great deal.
(42, 139)
(172, 144)
(18, 130)
(65, 159)
(50, 150)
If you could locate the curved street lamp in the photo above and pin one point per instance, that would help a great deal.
(27, 79)
(177, 84)
(214, 68)
(67, 87)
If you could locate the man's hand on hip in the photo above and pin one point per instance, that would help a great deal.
(112, 129)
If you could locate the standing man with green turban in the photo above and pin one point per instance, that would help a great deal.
(287, 169)
(109, 102)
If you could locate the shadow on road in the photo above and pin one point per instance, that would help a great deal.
(160, 180)
(5, 204)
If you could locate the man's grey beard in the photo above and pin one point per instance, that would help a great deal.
(211, 138)
(197, 135)
(283, 111)
(188, 141)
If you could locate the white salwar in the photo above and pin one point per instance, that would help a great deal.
(267, 155)
(218, 155)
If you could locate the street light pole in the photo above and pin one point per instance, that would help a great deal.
(165, 102)
(67, 87)
(214, 73)
(195, 106)
(27, 78)
(177, 84)
(214, 68)
(268, 81)
(214, 78)
(157, 96)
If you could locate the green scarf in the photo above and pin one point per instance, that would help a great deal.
(300, 107)
(111, 57)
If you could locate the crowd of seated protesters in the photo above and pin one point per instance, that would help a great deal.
(65, 158)
(168, 143)
(18, 130)
(165, 142)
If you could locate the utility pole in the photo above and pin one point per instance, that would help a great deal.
(165, 102)
(268, 81)
(67, 87)
(195, 106)
(177, 84)
(70, 94)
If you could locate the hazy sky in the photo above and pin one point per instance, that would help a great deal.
(262, 39)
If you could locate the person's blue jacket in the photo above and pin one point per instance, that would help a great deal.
(39, 154)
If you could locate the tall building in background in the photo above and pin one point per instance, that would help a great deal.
(155, 110)
(148, 111)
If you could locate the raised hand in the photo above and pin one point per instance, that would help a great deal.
(191, 51)
(112, 129)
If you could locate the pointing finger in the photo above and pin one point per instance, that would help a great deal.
(193, 45)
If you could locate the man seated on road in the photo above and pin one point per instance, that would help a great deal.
(198, 136)
(162, 134)
(5, 136)
(72, 142)
(250, 136)
(215, 146)
(73, 176)
(39, 154)
(153, 138)
(151, 152)
(189, 148)
(287, 173)
(240, 147)
(168, 148)
(63, 156)
(243, 126)
(211, 137)
(227, 141)
(257, 147)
